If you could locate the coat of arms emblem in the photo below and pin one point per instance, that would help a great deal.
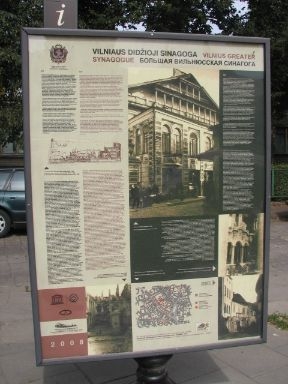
(58, 54)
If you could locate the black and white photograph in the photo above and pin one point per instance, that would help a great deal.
(240, 306)
(240, 244)
(109, 319)
(172, 123)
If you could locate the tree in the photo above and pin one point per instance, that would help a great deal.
(187, 16)
(13, 15)
(269, 18)
(102, 15)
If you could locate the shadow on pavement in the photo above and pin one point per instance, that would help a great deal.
(283, 216)
(181, 368)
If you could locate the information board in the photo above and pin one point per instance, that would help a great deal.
(147, 163)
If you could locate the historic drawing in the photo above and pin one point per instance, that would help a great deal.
(72, 152)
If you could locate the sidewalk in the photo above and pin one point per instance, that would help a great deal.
(261, 363)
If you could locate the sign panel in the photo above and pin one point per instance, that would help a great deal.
(147, 191)
(60, 13)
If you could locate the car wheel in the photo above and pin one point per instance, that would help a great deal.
(5, 223)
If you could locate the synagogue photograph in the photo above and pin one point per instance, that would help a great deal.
(173, 123)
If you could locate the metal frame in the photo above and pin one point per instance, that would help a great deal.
(29, 198)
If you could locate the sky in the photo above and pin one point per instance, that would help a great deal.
(104, 289)
(210, 83)
(209, 79)
(239, 5)
(245, 285)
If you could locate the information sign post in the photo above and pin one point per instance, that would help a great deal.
(60, 14)
(147, 170)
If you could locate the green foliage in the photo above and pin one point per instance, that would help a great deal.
(277, 166)
(280, 320)
(13, 15)
(265, 18)
(189, 16)
(280, 181)
(97, 14)
(185, 16)
(269, 18)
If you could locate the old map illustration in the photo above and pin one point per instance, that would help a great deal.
(163, 305)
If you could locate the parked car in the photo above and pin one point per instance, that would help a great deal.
(12, 199)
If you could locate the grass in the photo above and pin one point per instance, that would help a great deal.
(280, 320)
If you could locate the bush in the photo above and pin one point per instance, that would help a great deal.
(280, 320)
(280, 180)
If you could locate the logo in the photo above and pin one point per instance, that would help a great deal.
(73, 298)
(58, 54)
(61, 325)
(65, 312)
(56, 300)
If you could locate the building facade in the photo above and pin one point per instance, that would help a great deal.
(241, 244)
(237, 315)
(171, 123)
(111, 312)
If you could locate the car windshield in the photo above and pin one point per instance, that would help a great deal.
(3, 178)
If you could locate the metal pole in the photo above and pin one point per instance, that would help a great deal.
(152, 370)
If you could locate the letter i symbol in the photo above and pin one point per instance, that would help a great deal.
(61, 13)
